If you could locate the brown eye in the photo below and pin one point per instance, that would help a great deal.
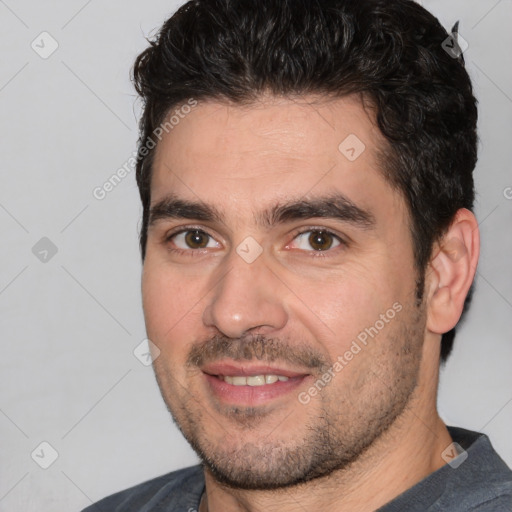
(196, 239)
(190, 239)
(316, 240)
(320, 240)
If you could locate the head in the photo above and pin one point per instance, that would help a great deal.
(247, 107)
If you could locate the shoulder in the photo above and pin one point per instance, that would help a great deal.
(502, 503)
(482, 482)
(474, 479)
(178, 490)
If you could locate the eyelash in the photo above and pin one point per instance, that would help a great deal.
(188, 252)
(315, 254)
(328, 253)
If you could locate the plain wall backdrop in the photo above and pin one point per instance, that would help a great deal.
(70, 303)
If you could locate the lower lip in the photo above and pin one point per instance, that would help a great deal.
(250, 396)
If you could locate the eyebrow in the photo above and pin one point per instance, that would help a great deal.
(171, 207)
(334, 206)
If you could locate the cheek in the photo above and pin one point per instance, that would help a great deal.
(340, 308)
(170, 307)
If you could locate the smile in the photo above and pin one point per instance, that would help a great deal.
(253, 380)
(231, 382)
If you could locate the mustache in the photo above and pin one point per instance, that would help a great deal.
(256, 346)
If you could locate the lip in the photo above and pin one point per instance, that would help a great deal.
(248, 370)
(250, 396)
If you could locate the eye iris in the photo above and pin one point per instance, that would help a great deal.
(320, 240)
(196, 239)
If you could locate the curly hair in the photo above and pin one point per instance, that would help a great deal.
(393, 52)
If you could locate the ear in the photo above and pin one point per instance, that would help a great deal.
(452, 270)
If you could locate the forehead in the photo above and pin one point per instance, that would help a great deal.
(272, 150)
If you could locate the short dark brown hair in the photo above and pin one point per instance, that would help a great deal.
(393, 52)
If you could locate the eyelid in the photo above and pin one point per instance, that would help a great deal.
(180, 229)
(343, 240)
(167, 238)
(300, 231)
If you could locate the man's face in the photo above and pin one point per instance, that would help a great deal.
(279, 286)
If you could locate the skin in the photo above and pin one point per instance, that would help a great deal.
(373, 431)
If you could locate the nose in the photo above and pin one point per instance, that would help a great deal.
(249, 297)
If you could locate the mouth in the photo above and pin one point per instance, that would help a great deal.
(251, 385)
(253, 380)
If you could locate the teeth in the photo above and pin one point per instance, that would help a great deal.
(253, 380)
(256, 380)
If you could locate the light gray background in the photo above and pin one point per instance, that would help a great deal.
(69, 325)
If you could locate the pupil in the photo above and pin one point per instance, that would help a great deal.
(196, 239)
(320, 240)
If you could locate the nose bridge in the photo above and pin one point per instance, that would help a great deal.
(246, 296)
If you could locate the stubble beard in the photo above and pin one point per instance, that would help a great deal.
(345, 425)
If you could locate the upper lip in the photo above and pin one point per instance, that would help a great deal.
(226, 368)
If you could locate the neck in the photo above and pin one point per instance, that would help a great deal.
(403, 456)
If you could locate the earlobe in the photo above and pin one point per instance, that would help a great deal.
(452, 270)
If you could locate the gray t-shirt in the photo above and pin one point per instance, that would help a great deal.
(481, 483)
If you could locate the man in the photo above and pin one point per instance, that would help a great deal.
(305, 170)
